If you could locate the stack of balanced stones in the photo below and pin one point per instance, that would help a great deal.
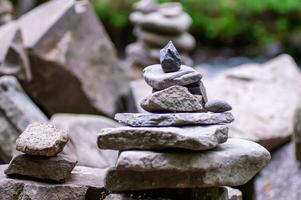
(182, 141)
(155, 25)
(41, 145)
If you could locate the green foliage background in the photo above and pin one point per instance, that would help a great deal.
(253, 23)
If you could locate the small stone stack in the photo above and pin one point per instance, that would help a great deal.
(155, 25)
(183, 143)
(42, 145)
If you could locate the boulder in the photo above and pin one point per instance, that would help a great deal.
(79, 74)
(17, 112)
(85, 184)
(173, 119)
(57, 168)
(232, 163)
(191, 137)
(83, 131)
(42, 139)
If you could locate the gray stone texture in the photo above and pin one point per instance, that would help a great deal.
(217, 106)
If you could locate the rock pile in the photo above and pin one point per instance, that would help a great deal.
(156, 149)
(155, 25)
(42, 145)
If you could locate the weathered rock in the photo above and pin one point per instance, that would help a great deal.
(146, 6)
(232, 163)
(83, 71)
(191, 137)
(173, 119)
(170, 59)
(42, 139)
(297, 133)
(16, 112)
(83, 131)
(57, 168)
(13, 56)
(157, 79)
(281, 179)
(173, 99)
(213, 193)
(85, 183)
(218, 106)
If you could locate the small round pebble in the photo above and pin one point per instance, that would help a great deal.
(217, 106)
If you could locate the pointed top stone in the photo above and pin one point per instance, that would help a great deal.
(170, 58)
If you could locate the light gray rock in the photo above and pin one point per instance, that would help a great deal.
(157, 79)
(42, 139)
(83, 131)
(17, 111)
(170, 9)
(173, 99)
(57, 168)
(79, 74)
(218, 106)
(85, 183)
(191, 137)
(6, 10)
(146, 6)
(232, 163)
(173, 119)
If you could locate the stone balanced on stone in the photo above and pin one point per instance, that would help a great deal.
(42, 145)
(183, 142)
(156, 24)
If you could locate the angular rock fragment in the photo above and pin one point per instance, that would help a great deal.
(42, 139)
(173, 99)
(232, 163)
(170, 59)
(193, 138)
(218, 106)
(157, 79)
(173, 119)
(57, 168)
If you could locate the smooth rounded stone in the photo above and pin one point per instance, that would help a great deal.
(173, 119)
(157, 22)
(218, 106)
(232, 163)
(173, 99)
(157, 79)
(170, 59)
(170, 9)
(42, 139)
(146, 6)
(190, 137)
(57, 168)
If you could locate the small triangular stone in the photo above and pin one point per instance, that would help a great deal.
(170, 59)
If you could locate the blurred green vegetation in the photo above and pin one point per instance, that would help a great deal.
(240, 23)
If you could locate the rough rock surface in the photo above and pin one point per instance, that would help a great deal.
(83, 131)
(83, 71)
(42, 139)
(16, 112)
(173, 99)
(157, 79)
(170, 59)
(57, 168)
(85, 184)
(232, 163)
(281, 179)
(173, 119)
(218, 106)
(193, 137)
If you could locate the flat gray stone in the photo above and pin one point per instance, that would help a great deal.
(17, 111)
(218, 106)
(157, 79)
(85, 183)
(232, 163)
(146, 6)
(171, 9)
(42, 139)
(193, 138)
(173, 119)
(57, 168)
(173, 99)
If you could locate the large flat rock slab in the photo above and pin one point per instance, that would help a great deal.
(85, 183)
(17, 112)
(232, 163)
(191, 137)
(173, 119)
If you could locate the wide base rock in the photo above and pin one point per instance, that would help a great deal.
(56, 168)
(232, 163)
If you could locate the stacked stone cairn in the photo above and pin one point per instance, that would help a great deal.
(182, 142)
(41, 145)
(155, 25)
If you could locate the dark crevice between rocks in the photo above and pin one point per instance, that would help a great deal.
(94, 193)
